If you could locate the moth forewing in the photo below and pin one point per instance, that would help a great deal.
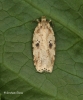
(44, 46)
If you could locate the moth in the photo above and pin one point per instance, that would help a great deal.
(43, 46)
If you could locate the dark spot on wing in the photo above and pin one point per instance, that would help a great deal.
(50, 45)
(37, 44)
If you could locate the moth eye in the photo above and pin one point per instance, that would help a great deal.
(50, 45)
(37, 44)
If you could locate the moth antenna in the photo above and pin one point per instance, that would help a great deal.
(50, 20)
(38, 20)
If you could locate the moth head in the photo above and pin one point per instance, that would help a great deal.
(43, 18)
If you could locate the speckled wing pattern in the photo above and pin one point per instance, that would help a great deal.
(43, 46)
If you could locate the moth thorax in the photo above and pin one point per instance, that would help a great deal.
(43, 18)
